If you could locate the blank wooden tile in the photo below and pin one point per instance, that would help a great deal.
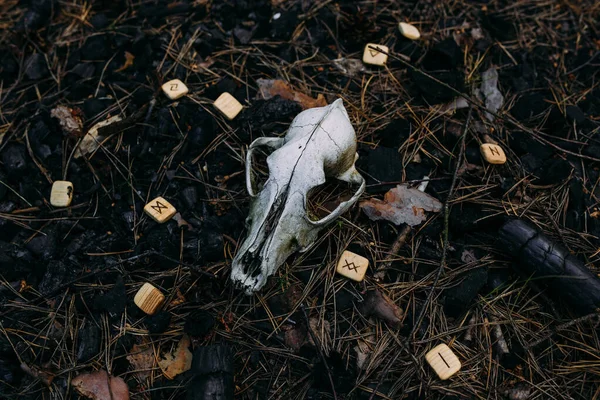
(160, 210)
(148, 298)
(61, 194)
(374, 57)
(493, 153)
(228, 105)
(443, 361)
(352, 266)
(409, 31)
(175, 89)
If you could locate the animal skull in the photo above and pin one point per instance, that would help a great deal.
(320, 143)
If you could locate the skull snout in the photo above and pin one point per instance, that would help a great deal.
(263, 252)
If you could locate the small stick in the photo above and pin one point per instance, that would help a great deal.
(396, 246)
(400, 240)
(35, 161)
(589, 317)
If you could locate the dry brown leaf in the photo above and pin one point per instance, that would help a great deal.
(295, 336)
(128, 62)
(141, 358)
(401, 205)
(179, 361)
(91, 141)
(180, 224)
(68, 119)
(364, 348)
(293, 296)
(381, 306)
(275, 87)
(101, 386)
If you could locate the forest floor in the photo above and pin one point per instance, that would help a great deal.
(68, 276)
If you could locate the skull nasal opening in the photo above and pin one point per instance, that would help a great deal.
(251, 264)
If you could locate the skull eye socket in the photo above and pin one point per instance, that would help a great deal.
(259, 168)
(322, 200)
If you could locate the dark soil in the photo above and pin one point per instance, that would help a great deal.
(68, 276)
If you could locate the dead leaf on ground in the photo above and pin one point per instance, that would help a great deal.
(91, 141)
(401, 205)
(364, 348)
(101, 386)
(468, 257)
(488, 92)
(179, 297)
(178, 361)
(381, 306)
(68, 119)
(275, 87)
(519, 391)
(349, 66)
(293, 296)
(141, 358)
(295, 336)
(128, 62)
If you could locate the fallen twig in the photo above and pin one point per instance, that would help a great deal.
(589, 317)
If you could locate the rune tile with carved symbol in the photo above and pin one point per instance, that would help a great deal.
(443, 361)
(160, 210)
(352, 266)
(374, 57)
(493, 153)
(61, 194)
(175, 89)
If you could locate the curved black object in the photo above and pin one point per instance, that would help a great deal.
(212, 367)
(538, 255)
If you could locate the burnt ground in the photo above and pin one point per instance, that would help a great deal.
(69, 275)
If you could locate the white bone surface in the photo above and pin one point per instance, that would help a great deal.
(320, 143)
